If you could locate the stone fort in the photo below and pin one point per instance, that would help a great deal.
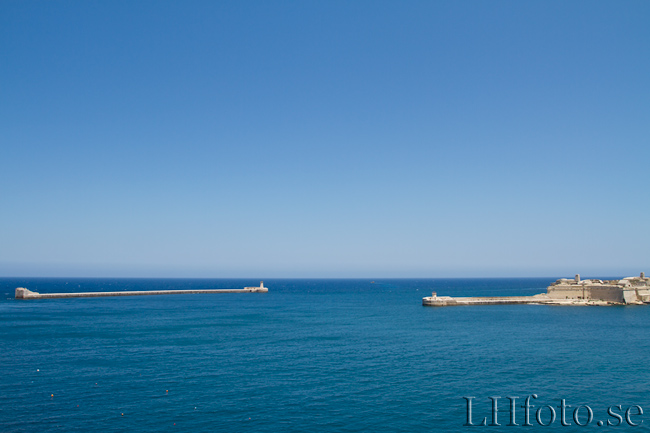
(628, 290)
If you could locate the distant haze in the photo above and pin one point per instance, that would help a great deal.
(324, 139)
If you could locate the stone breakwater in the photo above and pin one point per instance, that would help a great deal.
(23, 293)
(542, 298)
(629, 290)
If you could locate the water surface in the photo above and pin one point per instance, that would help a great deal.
(310, 355)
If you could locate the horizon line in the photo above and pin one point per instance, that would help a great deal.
(290, 278)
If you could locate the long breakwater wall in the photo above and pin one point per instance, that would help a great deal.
(542, 298)
(22, 293)
(444, 301)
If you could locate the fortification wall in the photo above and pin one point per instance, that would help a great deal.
(598, 292)
(609, 294)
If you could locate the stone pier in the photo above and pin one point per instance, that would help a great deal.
(23, 293)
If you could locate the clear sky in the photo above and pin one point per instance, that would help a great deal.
(324, 138)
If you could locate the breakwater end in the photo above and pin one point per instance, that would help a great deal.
(23, 293)
(627, 291)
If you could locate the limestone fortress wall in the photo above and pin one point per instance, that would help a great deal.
(625, 291)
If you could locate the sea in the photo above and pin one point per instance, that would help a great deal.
(317, 355)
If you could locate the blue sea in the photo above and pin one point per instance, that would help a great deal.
(314, 356)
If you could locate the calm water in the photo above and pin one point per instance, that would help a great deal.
(309, 356)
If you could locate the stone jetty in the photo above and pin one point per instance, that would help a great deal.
(626, 291)
(23, 293)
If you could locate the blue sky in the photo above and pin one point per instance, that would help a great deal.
(324, 138)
